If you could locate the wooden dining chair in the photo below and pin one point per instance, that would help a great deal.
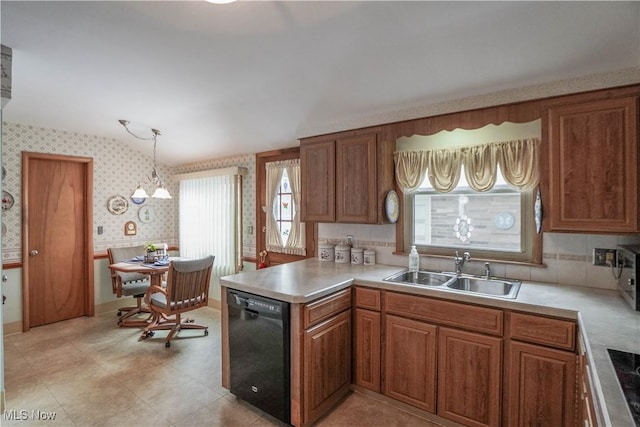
(128, 284)
(187, 289)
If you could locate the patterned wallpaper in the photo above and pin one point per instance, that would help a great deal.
(117, 170)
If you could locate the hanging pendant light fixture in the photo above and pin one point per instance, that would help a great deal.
(161, 191)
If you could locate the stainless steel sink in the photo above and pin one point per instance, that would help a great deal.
(496, 287)
(424, 278)
(492, 286)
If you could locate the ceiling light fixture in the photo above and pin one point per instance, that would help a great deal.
(220, 1)
(161, 191)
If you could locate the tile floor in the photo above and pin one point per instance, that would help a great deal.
(90, 372)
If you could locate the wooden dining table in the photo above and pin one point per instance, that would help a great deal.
(155, 273)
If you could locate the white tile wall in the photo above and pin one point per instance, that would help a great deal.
(567, 257)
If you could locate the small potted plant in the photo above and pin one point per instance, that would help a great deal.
(150, 252)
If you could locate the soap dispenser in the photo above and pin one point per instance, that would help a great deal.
(414, 260)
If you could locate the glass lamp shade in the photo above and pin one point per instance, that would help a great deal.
(161, 193)
(140, 193)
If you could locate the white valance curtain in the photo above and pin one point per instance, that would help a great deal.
(518, 162)
(296, 242)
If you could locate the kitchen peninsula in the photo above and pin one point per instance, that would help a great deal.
(330, 303)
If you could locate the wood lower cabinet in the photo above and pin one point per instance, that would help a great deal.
(327, 365)
(366, 348)
(542, 386)
(410, 362)
(469, 377)
(587, 406)
(593, 166)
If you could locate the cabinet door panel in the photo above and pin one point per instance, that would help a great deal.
(410, 362)
(318, 174)
(367, 349)
(327, 365)
(356, 195)
(469, 377)
(542, 386)
(593, 166)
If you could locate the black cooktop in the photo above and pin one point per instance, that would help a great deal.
(627, 367)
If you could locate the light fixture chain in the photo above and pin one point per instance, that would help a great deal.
(161, 192)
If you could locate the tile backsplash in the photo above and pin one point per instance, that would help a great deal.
(567, 258)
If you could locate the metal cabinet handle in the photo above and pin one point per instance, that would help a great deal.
(34, 252)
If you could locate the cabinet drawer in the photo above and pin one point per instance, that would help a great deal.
(543, 330)
(326, 307)
(481, 319)
(367, 298)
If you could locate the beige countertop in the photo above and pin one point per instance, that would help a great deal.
(604, 318)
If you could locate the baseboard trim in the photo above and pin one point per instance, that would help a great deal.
(12, 328)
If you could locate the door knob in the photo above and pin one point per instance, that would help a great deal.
(34, 252)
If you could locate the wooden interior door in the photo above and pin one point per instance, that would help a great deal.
(274, 258)
(57, 238)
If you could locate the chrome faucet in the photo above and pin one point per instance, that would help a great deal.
(487, 270)
(460, 260)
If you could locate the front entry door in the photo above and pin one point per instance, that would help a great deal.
(57, 238)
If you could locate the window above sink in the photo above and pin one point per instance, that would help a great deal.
(465, 201)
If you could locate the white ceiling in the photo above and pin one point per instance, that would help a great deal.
(221, 80)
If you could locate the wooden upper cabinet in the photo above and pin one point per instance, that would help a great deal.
(318, 180)
(346, 176)
(356, 179)
(593, 166)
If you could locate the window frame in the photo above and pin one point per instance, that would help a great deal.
(532, 241)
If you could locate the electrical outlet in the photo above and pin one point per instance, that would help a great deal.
(604, 257)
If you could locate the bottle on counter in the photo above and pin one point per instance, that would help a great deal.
(414, 260)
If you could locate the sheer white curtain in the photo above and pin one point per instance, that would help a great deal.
(209, 215)
(273, 178)
(296, 241)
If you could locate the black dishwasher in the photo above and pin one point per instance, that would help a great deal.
(259, 352)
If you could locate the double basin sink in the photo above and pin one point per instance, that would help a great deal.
(495, 287)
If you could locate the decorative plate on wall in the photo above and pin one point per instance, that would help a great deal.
(146, 214)
(392, 206)
(117, 205)
(7, 200)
